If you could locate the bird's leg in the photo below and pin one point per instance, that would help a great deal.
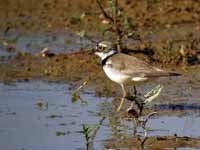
(132, 103)
(135, 90)
(123, 98)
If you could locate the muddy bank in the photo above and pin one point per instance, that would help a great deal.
(152, 143)
(169, 28)
(78, 67)
(51, 15)
(166, 34)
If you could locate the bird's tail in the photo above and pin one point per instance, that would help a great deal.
(163, 74)
(174, 74)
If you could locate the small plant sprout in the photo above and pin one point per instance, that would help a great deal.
(82, 33)
(88, 131)
(42, 105)
(60, 133)
(76, 95)
(119, 22)
(75, 19)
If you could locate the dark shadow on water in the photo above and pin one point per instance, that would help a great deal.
(177, 107)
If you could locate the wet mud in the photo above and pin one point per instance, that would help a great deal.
(152, 143)
(80, 66)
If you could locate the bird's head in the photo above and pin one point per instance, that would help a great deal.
(104, 49)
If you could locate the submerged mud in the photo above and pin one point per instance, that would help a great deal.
(40, 115)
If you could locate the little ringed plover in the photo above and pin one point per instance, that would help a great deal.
(122, 68)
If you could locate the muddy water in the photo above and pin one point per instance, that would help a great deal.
(56, 42)
(56, 123)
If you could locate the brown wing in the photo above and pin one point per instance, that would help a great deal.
(133, 66)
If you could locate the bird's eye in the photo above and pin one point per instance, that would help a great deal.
(100, 48)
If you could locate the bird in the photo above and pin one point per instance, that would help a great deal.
(122, 68)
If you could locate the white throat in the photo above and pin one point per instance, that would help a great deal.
(104, 55)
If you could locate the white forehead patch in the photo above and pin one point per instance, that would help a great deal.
(102, 45)
(105, 44)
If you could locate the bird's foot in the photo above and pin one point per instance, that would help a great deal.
(118, 109)
(121, 104)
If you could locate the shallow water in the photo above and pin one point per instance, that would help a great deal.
(25, 125)
(56, 42)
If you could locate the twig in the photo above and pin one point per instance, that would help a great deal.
(142, 141)
(96, 129)
(103, 11)
(150, 115)
(115, 14)
(139, 103)
(82, 85)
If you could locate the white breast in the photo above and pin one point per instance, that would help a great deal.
(119, 77)
(116, 76)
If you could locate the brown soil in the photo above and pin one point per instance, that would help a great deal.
(163, 26)
(152, 143)
(80, 66)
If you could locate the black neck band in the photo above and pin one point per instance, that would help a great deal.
(103, 62)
